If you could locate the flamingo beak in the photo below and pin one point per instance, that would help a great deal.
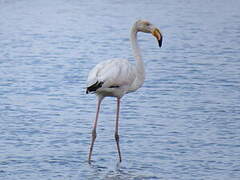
(158, 35)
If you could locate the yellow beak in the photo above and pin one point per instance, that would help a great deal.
(158, 35)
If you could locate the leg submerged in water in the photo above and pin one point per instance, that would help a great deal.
(116, 130)
(94, 134)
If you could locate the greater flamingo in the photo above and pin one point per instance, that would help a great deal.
(118, 77)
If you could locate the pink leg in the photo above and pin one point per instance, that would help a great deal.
(116, 130)
(94, 134)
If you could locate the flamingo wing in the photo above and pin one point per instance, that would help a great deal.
(111, 74)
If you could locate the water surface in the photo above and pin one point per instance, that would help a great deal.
(184, 123)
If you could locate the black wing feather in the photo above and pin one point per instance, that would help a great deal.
(94, 87)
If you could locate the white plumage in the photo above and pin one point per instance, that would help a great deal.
(117, 77)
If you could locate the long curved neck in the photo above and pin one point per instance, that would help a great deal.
(137, 55)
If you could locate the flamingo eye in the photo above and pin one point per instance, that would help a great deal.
(147, 23)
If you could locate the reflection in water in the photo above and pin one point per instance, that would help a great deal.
(119, 172)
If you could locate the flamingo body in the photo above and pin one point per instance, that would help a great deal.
(114, 77)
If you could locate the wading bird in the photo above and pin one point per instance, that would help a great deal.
(117, 77)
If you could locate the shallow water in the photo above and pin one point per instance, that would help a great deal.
(184, 123)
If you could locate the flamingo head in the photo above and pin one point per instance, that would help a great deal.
(147, 27)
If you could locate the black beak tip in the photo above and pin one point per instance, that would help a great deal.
(160, 42)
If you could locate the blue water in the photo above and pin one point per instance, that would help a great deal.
(184, 123)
